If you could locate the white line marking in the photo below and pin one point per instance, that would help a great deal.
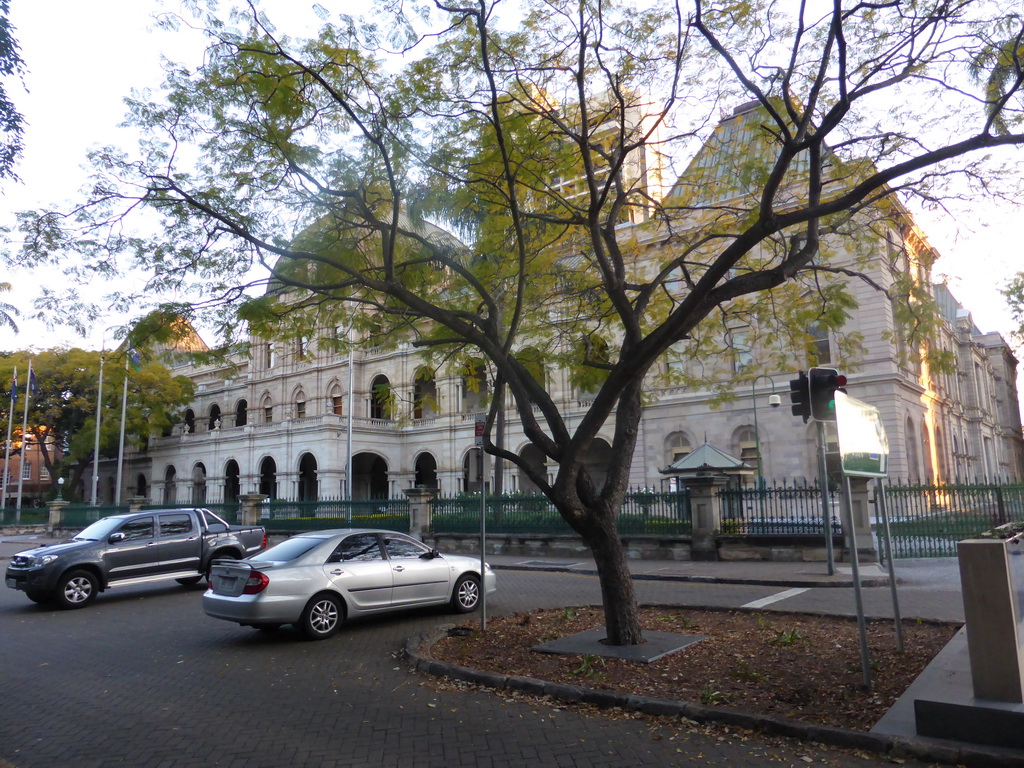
(775, 598)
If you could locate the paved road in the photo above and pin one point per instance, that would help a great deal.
(142, 678)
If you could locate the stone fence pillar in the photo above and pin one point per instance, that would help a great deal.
(251, 511)
(419, 510)
(56, 506)
(706, 511)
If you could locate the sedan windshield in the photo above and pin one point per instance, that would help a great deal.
(288, 550)
(100, 529)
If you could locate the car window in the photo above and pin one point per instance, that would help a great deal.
(175, 525)
(401, 547)
(358, 547)
(287, 550)
(139, 528)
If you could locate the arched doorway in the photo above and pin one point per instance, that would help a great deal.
(232, 482)
(214, 422)
(307, 478)
(190, 421)
(268, 477)
(369, 477)
(170, 475)
(199, 484)
(140, 486)
(426, 471)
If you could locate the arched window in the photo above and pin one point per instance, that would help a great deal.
(424, 396)
(337, 401)
(677, 445)
(268, 409)
(746, 444)
(380, 398)
(474, 386)
(190, 421)
(300, 405)
(214, 422)
(913, 460)
(241, 413)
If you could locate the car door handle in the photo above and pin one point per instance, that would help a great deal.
(151, 544)
(399, 568)
(337, 572)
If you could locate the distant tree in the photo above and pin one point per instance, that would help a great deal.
(62, 415)
(490, 192)
(8, 311)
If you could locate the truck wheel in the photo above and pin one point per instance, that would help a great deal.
(76, 589)
(189, 581)
(466, 595)
(321, 618)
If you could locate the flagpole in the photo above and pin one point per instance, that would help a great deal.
(96, 442)
(7, 445)
(120, 445)
(24, 442)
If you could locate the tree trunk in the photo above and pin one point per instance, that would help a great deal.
(622, 621)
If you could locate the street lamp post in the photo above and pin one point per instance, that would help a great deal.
(774, 401)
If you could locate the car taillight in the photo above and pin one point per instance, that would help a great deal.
(256, 583)
(264, 539)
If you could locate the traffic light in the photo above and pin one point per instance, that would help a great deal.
(800, 396)
(824, 383)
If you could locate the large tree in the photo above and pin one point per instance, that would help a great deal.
(488, 188)
(62, 413)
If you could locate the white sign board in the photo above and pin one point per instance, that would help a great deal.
(863, 446)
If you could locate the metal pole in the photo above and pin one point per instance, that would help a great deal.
(890, 565)
(826, 508)
(120, 444)
(348, 433)
(851, 537)
(483, 538)
(24, 442)
(96, 442)
(7, 444)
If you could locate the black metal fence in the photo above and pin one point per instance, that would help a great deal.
(777, 510)
(643, 512)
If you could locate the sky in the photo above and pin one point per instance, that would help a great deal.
(84, 58)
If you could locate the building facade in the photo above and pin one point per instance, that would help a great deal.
(300, 421)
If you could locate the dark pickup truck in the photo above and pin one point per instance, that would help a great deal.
(137, 548)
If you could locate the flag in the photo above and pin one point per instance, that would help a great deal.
(133, 356)
(32, 382)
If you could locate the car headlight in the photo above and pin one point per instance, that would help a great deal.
(41, 560)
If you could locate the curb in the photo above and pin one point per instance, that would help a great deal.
(753, 581)
(417, 653)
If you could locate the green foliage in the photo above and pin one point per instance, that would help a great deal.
(62, 417)
(787, 637)
(710, 697)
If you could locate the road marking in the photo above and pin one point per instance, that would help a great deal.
(775, 598)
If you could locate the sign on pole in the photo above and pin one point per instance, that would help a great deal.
(863, 446)
(478, 433)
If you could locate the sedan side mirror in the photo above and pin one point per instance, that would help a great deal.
(116, 537)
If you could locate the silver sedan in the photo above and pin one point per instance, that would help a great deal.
(316, 580)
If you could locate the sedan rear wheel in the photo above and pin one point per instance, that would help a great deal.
(321, 618)
(76, 589)
(466, 595)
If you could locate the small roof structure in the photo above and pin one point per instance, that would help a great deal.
(707, 460)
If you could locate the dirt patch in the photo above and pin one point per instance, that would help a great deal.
(799, 666)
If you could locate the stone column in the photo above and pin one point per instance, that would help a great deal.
(55, 514)
(251, 508)
(861, 515)
(706, 511)
(419, 510)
